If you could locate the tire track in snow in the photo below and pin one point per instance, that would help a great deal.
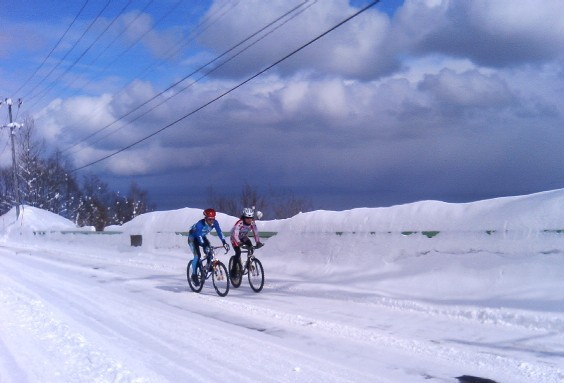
(73, 297)
(465, 357)
(491, 316)
(78, 300)
(80, 361)
(502, 316)
(462, 356)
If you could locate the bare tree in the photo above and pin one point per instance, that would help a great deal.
(276, 205)
(48, 183)
(94, 206)
(286, 204)
(126, 208)
(30, 165)
(222, 203)
(6, 190)
(251, 197)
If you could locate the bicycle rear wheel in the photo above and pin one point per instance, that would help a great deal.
(235, 272)
(220, 279)
(200, 277)
(256, 275)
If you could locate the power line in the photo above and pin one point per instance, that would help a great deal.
(191, 74)
(141, 74)
(65, 56)
(55, 47)
(233, 88)
(145, 33)
(198, 79)
(123, 52)
(5, 146)
(117, 36)
(197, 31)
(46, 90)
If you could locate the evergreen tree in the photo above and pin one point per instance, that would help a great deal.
(49, 184)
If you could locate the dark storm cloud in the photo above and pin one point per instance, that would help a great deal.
(438, 101)
(491, 33)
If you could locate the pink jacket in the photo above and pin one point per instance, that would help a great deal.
(240, 232)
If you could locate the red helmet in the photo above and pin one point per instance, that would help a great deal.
(209, 213)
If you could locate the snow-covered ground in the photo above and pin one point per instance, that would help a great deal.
(366, 295)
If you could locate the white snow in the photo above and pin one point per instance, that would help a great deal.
(365, 295)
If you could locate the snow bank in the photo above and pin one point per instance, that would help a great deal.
(540, 211)
(526, 215)
(33, 221)
(171, 221)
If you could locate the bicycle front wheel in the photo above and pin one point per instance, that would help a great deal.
(256, 275)
(220, 279)
(235, 272)
(197, 283)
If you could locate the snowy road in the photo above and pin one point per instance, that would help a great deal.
(84, 314)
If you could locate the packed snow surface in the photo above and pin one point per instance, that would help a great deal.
(423, 292)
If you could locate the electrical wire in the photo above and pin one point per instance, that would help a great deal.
(81, 88)
(8, 136)
(117, 36)
(231, 89)
(141, 74)
(52, 50)
(5, 146)
(194, 82)
(68, 52)
(197, 31)
(144, 34)
(190, 75)
(49, 87)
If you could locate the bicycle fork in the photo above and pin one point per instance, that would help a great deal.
(218, 271)
(251, 266)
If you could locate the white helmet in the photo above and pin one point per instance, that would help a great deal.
(248, 212)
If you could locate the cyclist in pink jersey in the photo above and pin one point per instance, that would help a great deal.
(240, 234)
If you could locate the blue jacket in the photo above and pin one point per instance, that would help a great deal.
(200, 229)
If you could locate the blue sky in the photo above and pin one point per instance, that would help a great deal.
(411, 100)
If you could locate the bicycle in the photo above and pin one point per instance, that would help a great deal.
(253, 269)
(208, 266)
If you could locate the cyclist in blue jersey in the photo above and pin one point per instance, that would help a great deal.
(197, 238)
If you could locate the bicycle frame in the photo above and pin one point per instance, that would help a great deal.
(250, 257)
(252, 268)
(209, 266)
(205, 262)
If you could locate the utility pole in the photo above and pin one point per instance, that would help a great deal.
(12, 125)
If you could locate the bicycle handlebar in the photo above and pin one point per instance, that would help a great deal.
(220, 247)
(246, 249)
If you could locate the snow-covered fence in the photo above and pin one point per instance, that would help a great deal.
(386, 242)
